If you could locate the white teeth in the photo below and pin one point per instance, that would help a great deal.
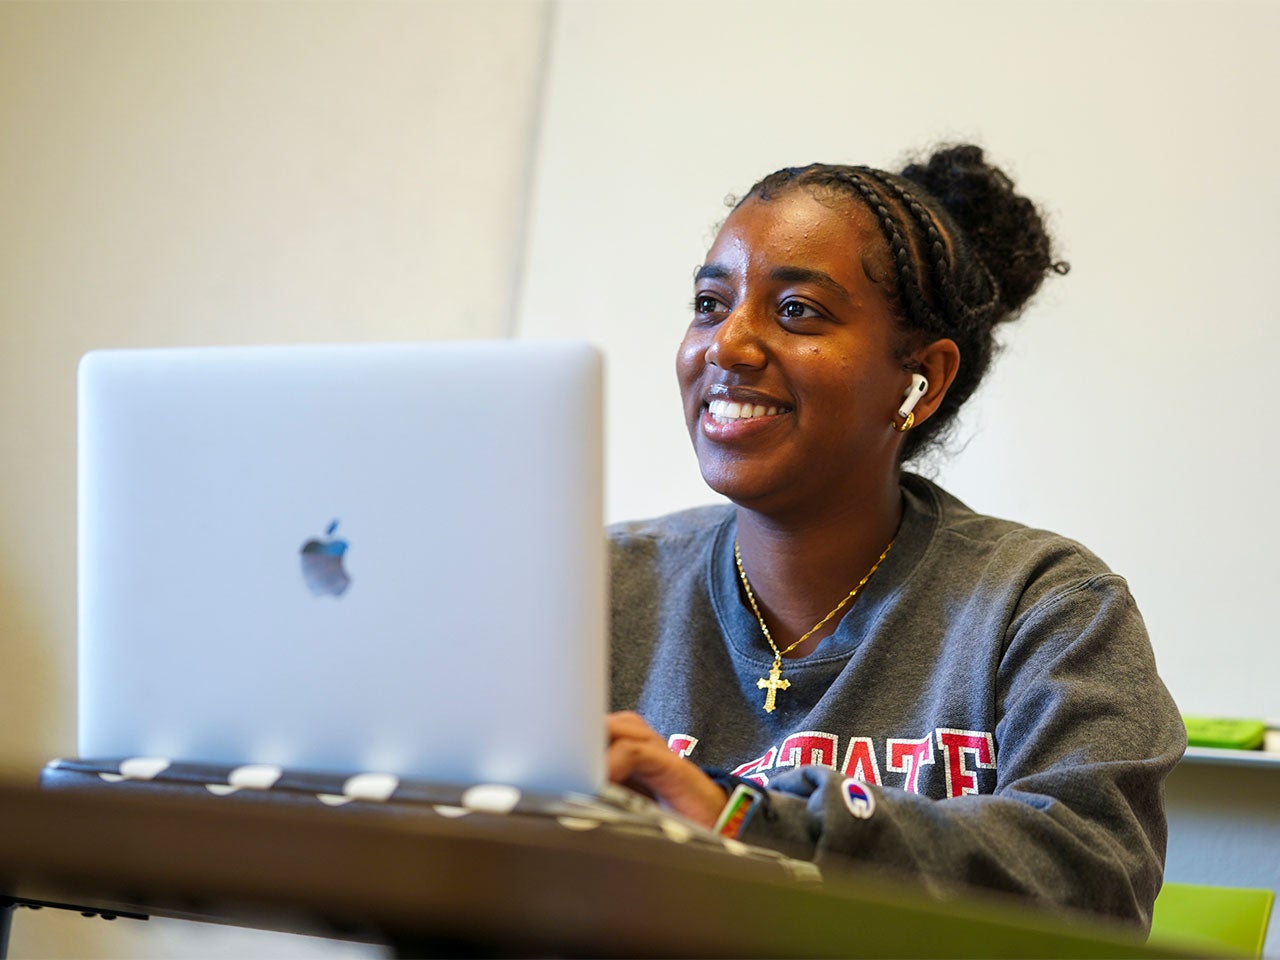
(729, 410)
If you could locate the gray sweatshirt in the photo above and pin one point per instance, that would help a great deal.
(987, 712)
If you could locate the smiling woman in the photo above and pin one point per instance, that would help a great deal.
(785, 318)
(848, 664)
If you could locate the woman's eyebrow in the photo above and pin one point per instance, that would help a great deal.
(807, 275)
(714, 271)
(710, 271)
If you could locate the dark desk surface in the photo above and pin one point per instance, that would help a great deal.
(482, 886)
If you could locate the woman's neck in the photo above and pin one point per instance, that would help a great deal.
(800, 568)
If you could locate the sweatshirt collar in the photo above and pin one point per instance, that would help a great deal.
(921, 508)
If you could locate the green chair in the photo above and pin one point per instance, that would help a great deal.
(1229, 918)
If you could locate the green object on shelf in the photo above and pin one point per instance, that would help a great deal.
(1226, 918)
(1225, 734)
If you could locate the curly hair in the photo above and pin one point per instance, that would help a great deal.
(965, 252)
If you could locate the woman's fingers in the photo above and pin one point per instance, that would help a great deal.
(638, 757)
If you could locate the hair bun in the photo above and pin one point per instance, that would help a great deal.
(1004, 229)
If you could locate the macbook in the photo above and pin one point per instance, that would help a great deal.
(346, 558)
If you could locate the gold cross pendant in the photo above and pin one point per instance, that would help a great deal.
(773, 685)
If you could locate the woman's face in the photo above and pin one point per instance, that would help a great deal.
(788, 371)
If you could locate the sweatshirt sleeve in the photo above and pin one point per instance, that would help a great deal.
(1085, 734)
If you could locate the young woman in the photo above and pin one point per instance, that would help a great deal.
(848, 664)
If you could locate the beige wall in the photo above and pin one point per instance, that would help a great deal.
(204, 172)
(191, 173)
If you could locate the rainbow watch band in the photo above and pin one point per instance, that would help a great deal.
(737, 811)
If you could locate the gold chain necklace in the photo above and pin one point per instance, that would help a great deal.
(775, 682)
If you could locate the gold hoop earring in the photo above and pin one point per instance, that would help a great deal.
(906, 425)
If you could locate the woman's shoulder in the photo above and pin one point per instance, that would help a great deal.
(691, 529)
(1001, 547)
(649, 558)
(1027, 578)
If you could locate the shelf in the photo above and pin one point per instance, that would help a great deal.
(1235, 758)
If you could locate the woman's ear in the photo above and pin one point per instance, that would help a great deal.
(938, 363)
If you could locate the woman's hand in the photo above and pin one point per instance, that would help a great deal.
(638, 758)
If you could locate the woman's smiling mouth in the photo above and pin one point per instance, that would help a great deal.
(730, 414)
(731, 410)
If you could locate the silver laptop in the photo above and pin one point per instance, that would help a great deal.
(346, 558)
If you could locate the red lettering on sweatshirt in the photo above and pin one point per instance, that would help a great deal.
(860, 761)
(956, 747)
(964, 752)
(681, 744)
(908, 756)
(811, 747)
(754, 769)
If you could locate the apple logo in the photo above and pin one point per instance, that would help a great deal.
(322, 564)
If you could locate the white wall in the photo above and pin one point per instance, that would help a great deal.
(1131, 408)
(214, 173)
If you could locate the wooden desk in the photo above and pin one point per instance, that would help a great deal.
(482, 885)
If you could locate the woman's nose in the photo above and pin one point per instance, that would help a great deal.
(737, 343)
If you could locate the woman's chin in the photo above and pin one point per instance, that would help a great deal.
(737, 485)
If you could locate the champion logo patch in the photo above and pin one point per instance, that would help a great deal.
(860, 801)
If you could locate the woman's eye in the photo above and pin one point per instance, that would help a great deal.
(795, 310)
(707, 304)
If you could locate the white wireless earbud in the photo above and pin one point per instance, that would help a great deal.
(914, 392)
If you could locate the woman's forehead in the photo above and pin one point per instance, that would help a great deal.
(797, 228)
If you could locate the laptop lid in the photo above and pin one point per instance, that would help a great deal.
(346, 558)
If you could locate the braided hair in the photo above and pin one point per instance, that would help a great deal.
(966, 253)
